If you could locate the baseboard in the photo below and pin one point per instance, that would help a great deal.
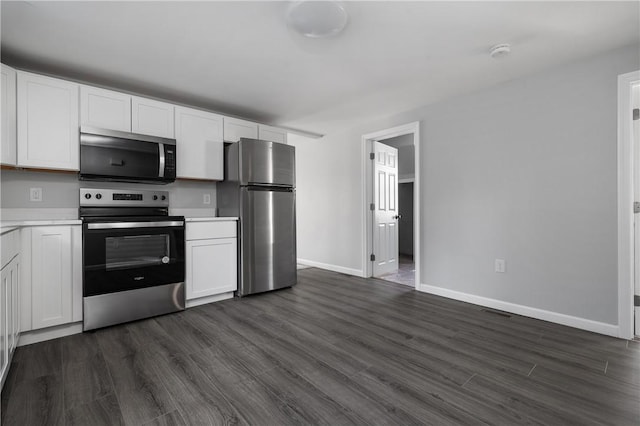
(330, 267)
(208, 299)
(527, 311)
(36, 336)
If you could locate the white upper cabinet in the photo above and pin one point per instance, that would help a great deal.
(48, 135)
(199, 143)
(154, 118)
(105, 109)
(8, 111)
(234, 129)
(272, 134)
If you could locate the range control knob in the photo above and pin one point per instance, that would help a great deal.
(87, 196)
(155, 197)
(98, 196)
(164, 197)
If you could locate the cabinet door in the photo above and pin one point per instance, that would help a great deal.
(47, 123)
(211, 267)
(14, 273)
(272, 134)
(8, 112)
(5, 282)
(105, 109)
(149, 117)
(199, 144)
(51, 278)
(234, 129)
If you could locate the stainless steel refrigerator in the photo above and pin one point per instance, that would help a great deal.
(259, 188)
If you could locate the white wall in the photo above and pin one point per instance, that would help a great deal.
(525, 171)
(61, 191)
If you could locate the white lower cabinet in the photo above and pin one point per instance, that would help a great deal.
(9, 300)
(50, 276)
(52, 292)
(212, 260)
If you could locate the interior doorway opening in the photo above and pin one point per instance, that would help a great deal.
(635, 133)
(391, 205)
(628, 193)
(405, 272)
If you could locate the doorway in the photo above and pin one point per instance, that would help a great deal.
(391, 204)
(628, 193)
(635, 132)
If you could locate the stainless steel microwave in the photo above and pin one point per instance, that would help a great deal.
(110, 155)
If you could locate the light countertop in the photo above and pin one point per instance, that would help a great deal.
(17, 223)
(209, 219)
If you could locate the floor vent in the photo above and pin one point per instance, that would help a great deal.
(491, 311)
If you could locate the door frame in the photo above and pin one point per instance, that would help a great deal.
(367, 194)
(625, 205)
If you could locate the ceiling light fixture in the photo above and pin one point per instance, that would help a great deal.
(500, 50)
(317, 18)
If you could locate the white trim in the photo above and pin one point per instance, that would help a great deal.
(209, 299)
(527, 311)
(406, 180)
(625, 205)
(367, 193)
(36, 336)
(329, 267)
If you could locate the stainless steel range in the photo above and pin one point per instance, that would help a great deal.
(133, 256)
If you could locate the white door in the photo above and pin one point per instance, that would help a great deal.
(636, 186)
(385, 213)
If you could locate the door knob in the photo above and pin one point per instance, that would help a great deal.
(398, 216)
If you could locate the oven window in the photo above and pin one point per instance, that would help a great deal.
(136, 251)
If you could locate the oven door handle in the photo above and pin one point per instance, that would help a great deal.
(130, 225)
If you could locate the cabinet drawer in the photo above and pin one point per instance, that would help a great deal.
(205, 230)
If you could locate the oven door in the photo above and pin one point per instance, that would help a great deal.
(132, 253)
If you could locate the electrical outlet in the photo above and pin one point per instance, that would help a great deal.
(35, 194)
(206, 199)
(500, 266)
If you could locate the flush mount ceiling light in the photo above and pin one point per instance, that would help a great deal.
(500, 50)
(317, 18)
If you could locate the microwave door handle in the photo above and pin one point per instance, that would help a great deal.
(161, 160)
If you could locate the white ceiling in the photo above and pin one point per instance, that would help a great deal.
(241, 59)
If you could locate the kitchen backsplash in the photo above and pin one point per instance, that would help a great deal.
(60, 191)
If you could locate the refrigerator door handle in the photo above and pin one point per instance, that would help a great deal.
(279, 188)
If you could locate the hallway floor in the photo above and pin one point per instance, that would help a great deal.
(406, 273)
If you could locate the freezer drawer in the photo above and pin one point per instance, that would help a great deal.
(268, 240)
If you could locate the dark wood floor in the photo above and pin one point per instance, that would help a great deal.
(333, 350)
